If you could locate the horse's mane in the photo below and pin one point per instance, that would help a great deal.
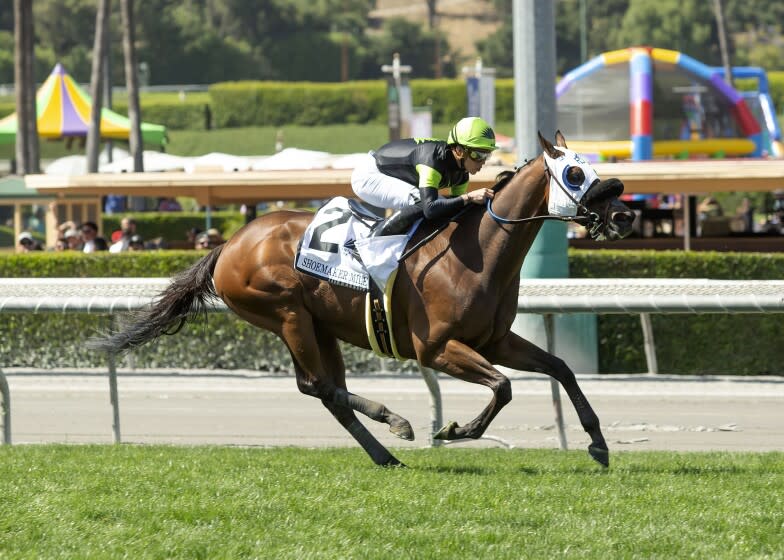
(505, 176)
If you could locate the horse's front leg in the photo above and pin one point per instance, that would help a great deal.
(462, 362)
(515, 352)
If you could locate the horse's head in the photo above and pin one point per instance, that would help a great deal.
(576, 190)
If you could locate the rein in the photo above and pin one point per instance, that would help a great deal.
(587, 218)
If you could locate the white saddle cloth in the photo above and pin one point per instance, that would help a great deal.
(323, 251)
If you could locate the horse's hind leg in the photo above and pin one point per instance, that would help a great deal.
(515, 352)
(377, 452)
(333, 363)
(299, 335)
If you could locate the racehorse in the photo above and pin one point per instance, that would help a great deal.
(455, 298)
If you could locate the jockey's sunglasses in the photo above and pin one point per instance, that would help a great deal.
(477, 155)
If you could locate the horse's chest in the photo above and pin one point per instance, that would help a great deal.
(478, 310)
(486, 311)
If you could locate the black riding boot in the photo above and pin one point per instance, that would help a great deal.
(399, 222)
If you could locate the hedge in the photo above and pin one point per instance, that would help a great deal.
(172, 226)
(742, 344)
(686, 344)
(255, 103)
(174, 115)
(222, 342)
(250, 103)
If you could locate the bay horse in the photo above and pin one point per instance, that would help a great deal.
(455, 299)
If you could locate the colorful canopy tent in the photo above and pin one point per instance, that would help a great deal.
(644, 102)
(63, 110)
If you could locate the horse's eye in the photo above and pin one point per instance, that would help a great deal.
(575, 176)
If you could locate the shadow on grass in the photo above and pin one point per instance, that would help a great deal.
(688, 470)
(588, 468)
(454, 469)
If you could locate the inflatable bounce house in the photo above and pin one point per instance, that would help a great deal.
(642, 103)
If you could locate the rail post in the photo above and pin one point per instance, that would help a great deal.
(113, 396)
(549, 327)
(5, 395)
(436, 411)
(648, 343)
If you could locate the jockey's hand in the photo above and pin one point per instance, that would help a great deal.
(478, 196)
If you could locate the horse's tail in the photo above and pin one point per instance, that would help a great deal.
(187, 296)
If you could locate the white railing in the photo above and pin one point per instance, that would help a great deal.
(547, 297)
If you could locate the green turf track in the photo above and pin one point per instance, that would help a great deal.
(224, 502)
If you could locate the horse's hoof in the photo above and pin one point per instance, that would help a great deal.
(403, 430)
(600, 454)
(447, 432)
(393, 463)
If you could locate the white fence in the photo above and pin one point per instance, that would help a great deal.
(547, 297)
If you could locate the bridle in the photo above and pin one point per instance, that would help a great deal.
(585, 217)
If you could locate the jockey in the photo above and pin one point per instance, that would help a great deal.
(405, 175)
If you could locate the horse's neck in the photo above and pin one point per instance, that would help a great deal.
(505, 246)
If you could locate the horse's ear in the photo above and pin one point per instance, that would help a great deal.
(547, 146)
(559, 139)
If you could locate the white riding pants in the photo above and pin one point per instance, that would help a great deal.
(375, 188)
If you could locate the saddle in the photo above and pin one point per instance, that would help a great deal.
(363, 214)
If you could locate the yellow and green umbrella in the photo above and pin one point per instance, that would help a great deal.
(63, 109)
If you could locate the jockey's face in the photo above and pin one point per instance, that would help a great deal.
(464, 159)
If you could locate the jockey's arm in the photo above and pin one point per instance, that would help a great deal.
(433, 206)
(436, 207)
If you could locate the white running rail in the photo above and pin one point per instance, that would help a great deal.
(548, 297)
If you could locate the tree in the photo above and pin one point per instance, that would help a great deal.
(603, 23)
(27, 148)
(97, 77)
(66, 29)
(132, 85)
(687, 26)
(416, 48)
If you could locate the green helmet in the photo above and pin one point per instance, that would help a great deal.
(472, 132)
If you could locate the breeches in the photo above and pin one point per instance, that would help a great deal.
(375, 188)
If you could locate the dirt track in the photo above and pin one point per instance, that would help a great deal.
(244, 408)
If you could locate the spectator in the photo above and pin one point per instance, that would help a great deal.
(202, 241)
(26, 243)
(65, 226)
(215, 238)
(90, 239)
(73, 240)
(127, 230)
(191, 236)
(745, 215)
(136, 243)
(709, 208)
(61, 244)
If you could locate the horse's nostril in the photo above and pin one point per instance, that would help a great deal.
(623, 218)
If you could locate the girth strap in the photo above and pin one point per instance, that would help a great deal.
(378, 320)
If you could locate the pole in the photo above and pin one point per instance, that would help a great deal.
(436, 408)
(5, 406)
(534, 70)
(549, 326)
(583, 31)
(113, 395)
(718, 9)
